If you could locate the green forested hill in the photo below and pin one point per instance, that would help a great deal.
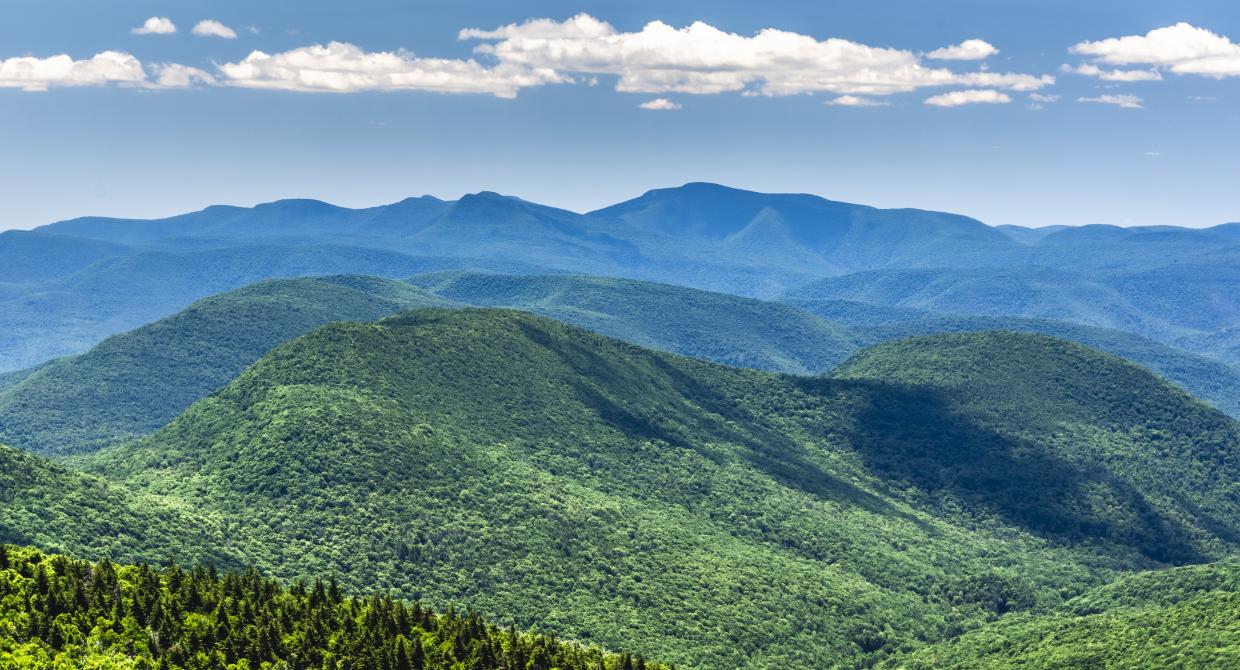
(705, 515)
(1160, 452)
(45, 504)
(1180, 619)
(1209, 380)
(723, 328)
(57, 612)
(135, 382)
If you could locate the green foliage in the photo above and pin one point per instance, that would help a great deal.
(136, 382)
(1090, 444)
(711, 516)
(1180, 618)
(1209, 380)
(45, 504)
(727, 329)
(57, 612)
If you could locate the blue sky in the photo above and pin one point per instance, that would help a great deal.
(1146, 131)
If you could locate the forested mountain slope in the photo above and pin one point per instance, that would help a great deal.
(71, 314)
(700, 514)
(732, 330)
(1185, 617)
(1169, 458)
(135, 382)
(61, 510)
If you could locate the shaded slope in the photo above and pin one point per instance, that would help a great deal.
(713, 326)
(1134, 442)
(135, 382)
(1180, 618)
(702, 514)
(1209, 380)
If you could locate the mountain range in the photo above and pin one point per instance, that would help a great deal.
(706, 426)
(111, 275)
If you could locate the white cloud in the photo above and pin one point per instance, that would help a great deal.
(343, 68)
(966, 50)
(174, 75)
(854, 101)
(1091, 70)
(1182, 48)
(213, 28)
(1119, 100)
(1044, 97)
(39, 74)
(660, 104)
(1153, 153)
(957, 98)
(156, 25)
(702, 59)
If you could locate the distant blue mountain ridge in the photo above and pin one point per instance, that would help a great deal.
(67, 285)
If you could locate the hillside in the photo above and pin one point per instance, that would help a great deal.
(1209, 380)
(27, 257)
(61, 510)
(1179, 618)
(70, 315)
(60, 612)
(135, 382)
(727, 329)
(1160, 452)
(705, 515)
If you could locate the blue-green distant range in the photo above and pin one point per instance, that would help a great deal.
(105, 276)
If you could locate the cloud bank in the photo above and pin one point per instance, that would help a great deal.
(1181, 48)
(39, 74)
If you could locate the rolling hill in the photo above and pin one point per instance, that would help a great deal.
(70, 315)
(135, 382)
(727, 329)
(706, 515)
(1178, 618)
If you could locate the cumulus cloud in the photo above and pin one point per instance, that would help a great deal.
(1182, 48)
(966, 50)
(175, 75)
(1119, 100)
(342, 68)
(854, 101)
(702, 59)
(971, 97)
(1092, 70)
(39, 74)
(213, 28)
(660, 104)
(156, 25)
(1043, 97)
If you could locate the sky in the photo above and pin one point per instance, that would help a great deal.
(1031, 113)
